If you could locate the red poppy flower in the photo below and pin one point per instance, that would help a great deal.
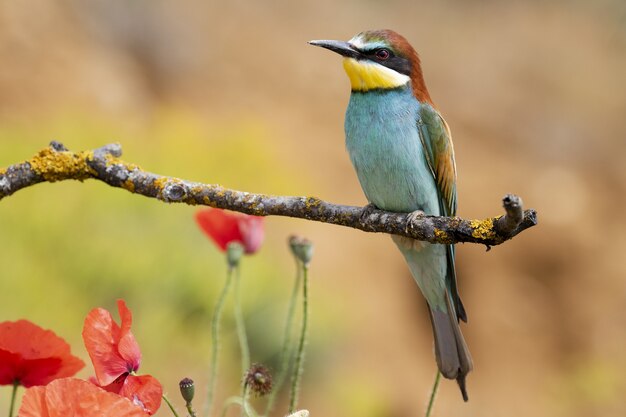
(115, 355)
(31, 355)
(225, 227)
(76, 398)
(143, 390)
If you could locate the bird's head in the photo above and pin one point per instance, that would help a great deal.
(379, 60)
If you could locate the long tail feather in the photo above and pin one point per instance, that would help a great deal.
(432, 267)
(453, 357)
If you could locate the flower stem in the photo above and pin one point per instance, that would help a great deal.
(190, 410)
(285, 353)
(433, 395)
(241, 402)
(241, 326)
(170, 406)
(229, 402)
(215, 329)
(13, 395)
(244, 400)
(299, 365)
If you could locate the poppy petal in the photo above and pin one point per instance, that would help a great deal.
(39, 371)
(9, 367)
(145, 391)
(101, 336)
(252, 232)
(34, 403)
(115, 386)
(219, 225)
(34, 356)
(77, 398)
(128, 347)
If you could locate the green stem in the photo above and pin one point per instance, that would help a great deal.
(285, 353)
(241, 402)
(244, 400)
(215, 328)
(231, 401)
(170, 405)
(433, 395)
(240, 324)
(190, 410)
(299, 365)
(13, 395)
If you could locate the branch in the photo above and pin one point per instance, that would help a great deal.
(56, 163)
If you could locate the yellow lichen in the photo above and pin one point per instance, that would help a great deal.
(3, 171)
(161, 182)
(54, 166)
(483, 229)
(442, 236)
(312, 202)
(196, 189)
(129, 185)
(112, 160)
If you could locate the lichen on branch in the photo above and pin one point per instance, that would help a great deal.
(56, 163)
(56, 166)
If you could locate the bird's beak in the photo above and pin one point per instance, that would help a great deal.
(341, 47)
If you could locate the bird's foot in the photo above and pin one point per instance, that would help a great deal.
(412, 217)
(365, 212)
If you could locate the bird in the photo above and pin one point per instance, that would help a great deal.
(401, 149)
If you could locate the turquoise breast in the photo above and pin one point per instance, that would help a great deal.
(385, 148)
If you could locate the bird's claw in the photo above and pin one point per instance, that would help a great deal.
(412, 217)
(365, 212)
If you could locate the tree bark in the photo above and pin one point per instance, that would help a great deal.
(56, 163)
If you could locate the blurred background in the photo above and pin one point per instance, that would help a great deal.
(230, 93)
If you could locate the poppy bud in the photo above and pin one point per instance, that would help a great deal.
(302, 249)
(187, 389)
(234, 252)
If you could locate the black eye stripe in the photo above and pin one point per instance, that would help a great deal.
(393, 61)
(396, 63)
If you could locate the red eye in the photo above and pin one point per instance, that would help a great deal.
(382, 54)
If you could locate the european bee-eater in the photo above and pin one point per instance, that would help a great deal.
(401, 149)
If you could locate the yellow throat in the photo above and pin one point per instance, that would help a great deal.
(367, 75)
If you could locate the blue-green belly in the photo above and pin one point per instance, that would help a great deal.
(386, 151)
